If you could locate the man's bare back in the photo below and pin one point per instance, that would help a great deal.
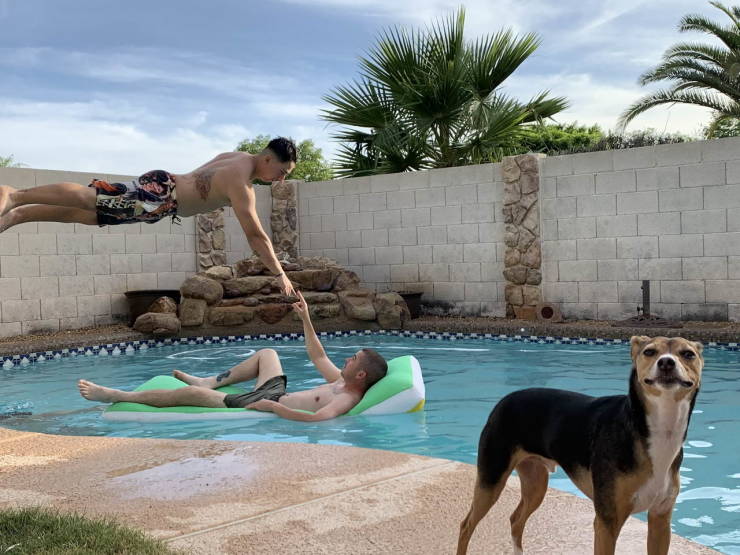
(211, 185)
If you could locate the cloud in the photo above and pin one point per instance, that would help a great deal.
(595, 102)
(112, 136)
(320, 134)
(102, 109)
(287, 109)
(72, 137)
(197, 119)
(127, 110)
(148, 108)
(608, 14)
(592, 52)
(482, 16)
(153, 68)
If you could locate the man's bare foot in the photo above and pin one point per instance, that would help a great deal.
(7, 221)
(193, 380)
(94, 392)
(5, 203)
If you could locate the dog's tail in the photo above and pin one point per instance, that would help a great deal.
(496, 445)
(495, 464)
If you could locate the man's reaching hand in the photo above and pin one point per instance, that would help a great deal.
(285, 285)
(301, 307)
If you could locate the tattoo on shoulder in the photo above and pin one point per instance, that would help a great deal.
(203, 181)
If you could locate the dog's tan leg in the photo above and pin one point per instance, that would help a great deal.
(659, 531)
(613, 505)
(484, 498)
(533, 476)
(607, 531)
(605, 540)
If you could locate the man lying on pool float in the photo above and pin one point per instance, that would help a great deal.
(343, 391)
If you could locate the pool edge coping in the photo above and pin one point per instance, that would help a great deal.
(124, 347)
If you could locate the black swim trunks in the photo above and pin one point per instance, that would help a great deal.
(272, 389)
(148, 199)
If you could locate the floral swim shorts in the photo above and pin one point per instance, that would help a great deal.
(148, 199)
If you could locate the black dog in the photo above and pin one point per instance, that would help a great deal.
(622, 451)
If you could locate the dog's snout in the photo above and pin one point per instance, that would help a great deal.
(666, 364)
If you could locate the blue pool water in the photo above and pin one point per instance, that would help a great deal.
(464, 379)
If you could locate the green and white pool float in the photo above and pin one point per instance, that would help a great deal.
(401, 390)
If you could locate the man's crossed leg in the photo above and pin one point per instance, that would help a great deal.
(200, 392)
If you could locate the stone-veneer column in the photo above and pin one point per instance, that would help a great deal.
(283, 221)
(211, 239)
(284, 217)
(522, 218)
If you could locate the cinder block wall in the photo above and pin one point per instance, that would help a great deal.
(440, 232)
(669, 213)
(65, 276)
(237, 247)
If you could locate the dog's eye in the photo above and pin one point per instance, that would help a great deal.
(688, 355)
(649, 352)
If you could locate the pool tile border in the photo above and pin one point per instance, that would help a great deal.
(128, 347)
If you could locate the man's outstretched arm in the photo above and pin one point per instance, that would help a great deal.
(243, 202)
(339, 406)
(315, 349)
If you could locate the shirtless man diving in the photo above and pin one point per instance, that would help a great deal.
(343, 390)
(224, 181)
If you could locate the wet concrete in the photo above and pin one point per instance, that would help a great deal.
(280, 498)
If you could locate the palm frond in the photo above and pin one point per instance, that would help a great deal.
(701, 74)
(353, 161)
(699, 51)
(733, 12)
(690, 74)
(494, 58)
(541, 107)
(697, 98)
(362, 104)
(729, 35)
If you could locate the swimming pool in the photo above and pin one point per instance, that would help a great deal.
(464, 379)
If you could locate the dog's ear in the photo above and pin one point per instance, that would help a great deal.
(698, 345)
(636, 342)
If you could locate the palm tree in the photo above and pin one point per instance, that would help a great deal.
(701, 74)
(429, 99)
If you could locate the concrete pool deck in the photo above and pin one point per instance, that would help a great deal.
(283, 498)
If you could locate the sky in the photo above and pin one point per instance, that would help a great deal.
(126, 87)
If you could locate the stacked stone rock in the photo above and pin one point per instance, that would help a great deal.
(284, 217)
(211, 239)
(160, 318)
(522, 218)
(243, 294)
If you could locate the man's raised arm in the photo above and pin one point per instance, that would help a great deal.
(316, 351)
(243, 202)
